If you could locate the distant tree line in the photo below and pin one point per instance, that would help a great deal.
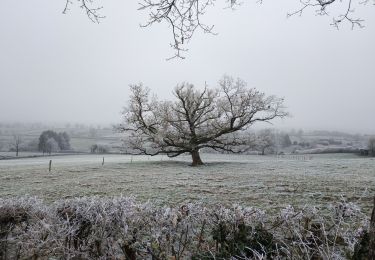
(50, 141)
(267, 141)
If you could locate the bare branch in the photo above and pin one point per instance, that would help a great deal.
(321, 8)
(183, 16)
(92, 12)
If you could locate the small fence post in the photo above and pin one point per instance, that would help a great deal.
(131, 159)
(50, 166)
(103, 161)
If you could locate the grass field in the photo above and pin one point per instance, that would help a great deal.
(263, 181)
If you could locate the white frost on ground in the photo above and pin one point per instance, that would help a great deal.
(262, 181)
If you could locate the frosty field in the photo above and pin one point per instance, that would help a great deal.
(268, 182)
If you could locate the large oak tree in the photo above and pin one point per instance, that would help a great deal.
(213, 118)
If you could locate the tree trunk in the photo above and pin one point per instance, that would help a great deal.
(196, 158)
(371, 253)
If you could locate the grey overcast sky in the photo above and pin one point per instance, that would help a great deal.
(64, 68)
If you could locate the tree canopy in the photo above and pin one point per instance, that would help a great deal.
(207, 118)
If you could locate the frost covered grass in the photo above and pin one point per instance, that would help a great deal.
(121, 228)
(266, 182)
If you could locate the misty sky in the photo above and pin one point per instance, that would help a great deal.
(64, 68)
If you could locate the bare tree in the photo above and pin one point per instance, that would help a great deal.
(16, 142)
(208, 118)
(285, 140)
(51, 145)
(265, 140)
(184, 16)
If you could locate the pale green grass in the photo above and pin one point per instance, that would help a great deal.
(262, 181)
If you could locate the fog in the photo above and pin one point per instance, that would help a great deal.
(64, 68)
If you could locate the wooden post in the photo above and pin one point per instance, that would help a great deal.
(131, 159)
(371, 253)
(103, 161)
(50, 166)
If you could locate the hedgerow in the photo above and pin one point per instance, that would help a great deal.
(121, 228)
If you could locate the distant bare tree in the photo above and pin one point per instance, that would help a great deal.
(93, 132)
(16, 142)
(184, 16)
(51, 145)
(208, 118)
(371, 146)
(265, 140)
(285, 140)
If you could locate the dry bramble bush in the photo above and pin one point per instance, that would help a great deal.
(121, 228)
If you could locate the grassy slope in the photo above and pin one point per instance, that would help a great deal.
(263, 181)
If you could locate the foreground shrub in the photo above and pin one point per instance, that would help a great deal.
(121, 228)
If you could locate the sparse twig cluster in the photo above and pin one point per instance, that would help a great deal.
(322, 6)
(183, 16)
(120, 228)
(92, 11)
